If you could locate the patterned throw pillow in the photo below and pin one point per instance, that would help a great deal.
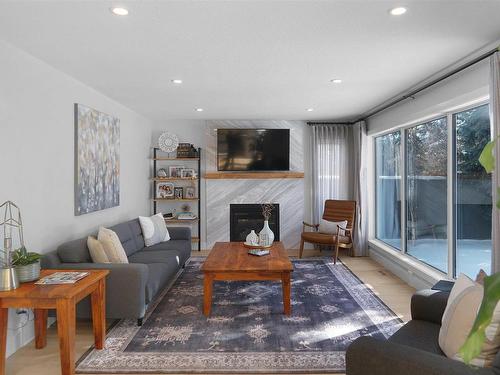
(154, 229)
(112, 246)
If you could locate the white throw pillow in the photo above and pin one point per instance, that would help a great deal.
(154, 229)
(330, 227)
(96, 250)
(459, 315)
(112, 246)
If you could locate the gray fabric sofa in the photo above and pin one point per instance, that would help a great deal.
(414, 348)
(129, 287)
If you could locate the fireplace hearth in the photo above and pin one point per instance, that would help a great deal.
(245, 217)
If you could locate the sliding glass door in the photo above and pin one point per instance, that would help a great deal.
(473, 192)
(433, 168)
(426, 193)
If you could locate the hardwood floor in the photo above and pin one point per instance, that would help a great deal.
(393, 291)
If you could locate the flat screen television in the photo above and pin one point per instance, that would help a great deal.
(253, 149)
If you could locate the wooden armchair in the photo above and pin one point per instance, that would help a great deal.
(335, 210)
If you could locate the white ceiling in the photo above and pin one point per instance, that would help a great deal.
(250, 59)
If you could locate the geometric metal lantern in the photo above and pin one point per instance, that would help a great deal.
(11, 229)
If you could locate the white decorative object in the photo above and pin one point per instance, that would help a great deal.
(266, 235)
(168, 142)
(252, 238)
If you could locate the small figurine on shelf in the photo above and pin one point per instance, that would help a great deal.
(162, 173)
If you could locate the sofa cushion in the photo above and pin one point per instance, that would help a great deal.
(158, 256)
(112, 246)
(158, 276)
(419, 334)
(75, 251)
(182, 248)
(127, 233)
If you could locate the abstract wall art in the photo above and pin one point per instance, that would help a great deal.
(97, 160)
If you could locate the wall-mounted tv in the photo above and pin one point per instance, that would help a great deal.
(253, 149)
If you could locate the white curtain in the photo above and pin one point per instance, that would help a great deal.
(360, 188)
(495, 119)
(332, 165)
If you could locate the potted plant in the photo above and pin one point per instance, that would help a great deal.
(27, 265)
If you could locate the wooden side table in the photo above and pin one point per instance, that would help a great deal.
(63, 298)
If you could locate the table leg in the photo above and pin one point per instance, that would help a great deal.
(4, 315)
(98, 301)
(285, 280)
(207, 293)
(40, 328)
(66, 321)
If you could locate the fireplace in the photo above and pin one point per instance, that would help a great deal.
(245, 217)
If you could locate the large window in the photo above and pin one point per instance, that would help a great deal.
(473, 192)
(446, 194)
(426, 192)
(388, 187)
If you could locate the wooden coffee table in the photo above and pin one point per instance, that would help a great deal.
(63, 298)
(231, 261)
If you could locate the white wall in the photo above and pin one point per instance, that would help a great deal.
(466, 87)
(37, 157)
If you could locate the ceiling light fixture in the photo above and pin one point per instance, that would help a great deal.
(398, 11)
(119, 11)
(310, 109)
(336, 80)
(176, 81)
(199, 109)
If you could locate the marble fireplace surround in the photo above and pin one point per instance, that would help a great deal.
(289, 193)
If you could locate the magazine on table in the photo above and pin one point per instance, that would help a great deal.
(69, 277)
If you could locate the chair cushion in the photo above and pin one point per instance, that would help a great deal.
(182, 248)
(157, 256)
(322, 238)
(419, 334)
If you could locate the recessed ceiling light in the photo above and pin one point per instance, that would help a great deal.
(398, 11)
(336, 80)
(176, 81)
(310, 109)
(199, 109)
(119, 11)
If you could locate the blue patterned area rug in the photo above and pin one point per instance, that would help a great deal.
(247, 331)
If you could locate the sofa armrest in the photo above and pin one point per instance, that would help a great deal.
(367, 355)
(429, 305)
(180, 233)
(125, 287)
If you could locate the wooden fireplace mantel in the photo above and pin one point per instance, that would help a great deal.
(252, 175)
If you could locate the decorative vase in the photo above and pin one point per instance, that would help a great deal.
(29, 272)
(252, 238)
(266, 235)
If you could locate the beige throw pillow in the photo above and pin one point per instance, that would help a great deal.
(331, 227)
(96, 250)
(459, 315)
(112, 246)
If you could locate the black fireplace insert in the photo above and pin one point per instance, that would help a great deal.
(245, 217)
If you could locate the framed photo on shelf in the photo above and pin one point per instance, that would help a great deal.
(174, 171)
(165, 190)
(188, 173)
(190, 192)
(178, 193)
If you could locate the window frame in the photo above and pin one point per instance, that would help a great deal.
(451, 182)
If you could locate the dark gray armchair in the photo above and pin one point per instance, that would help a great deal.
(414, 349)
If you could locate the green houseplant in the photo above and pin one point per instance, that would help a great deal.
(27, 264)
(473, 344)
